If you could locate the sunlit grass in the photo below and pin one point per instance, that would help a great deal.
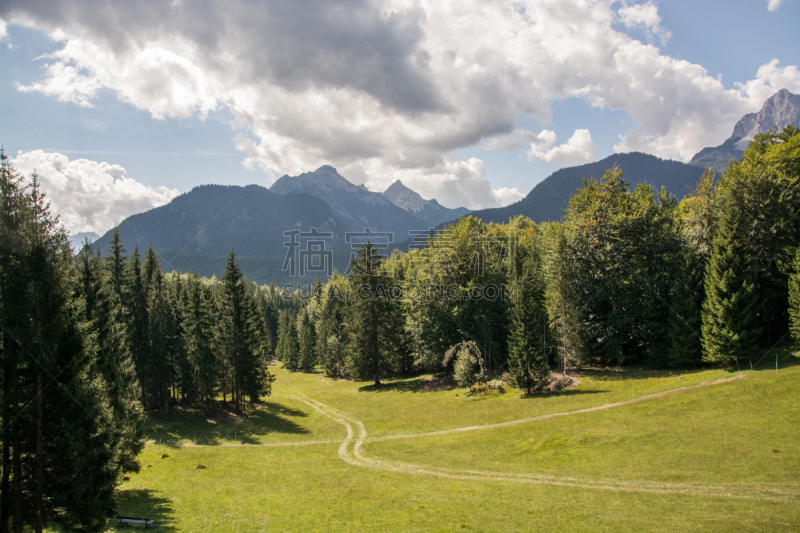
(744, 431)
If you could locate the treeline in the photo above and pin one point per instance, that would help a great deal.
(629, 277)
(190, 339)
(88, 342)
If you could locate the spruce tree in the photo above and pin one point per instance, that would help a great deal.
(685, 318)
(730, 324)
(183, 370)
(794, 297)
(331, 337)
(370, 312)
(138, 334)
(61, 445)
(161, 332)
(113, 363)
(199, 340)
(528, 344)
(306, 342)
(288, 344)
(243, 336)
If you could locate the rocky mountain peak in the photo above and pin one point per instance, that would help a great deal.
(402, 196)
(780, 109)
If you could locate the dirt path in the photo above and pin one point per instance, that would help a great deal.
(357, 437)
(632, 401)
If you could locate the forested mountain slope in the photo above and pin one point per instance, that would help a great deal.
(547, 201)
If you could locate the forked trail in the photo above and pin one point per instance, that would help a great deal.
(351, 451)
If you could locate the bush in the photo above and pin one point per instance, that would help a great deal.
(468, 358)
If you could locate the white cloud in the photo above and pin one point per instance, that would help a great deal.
(773, 5)
(392, 87)
(770, 79)
(3, 30)
(87, 195)
(644, 16)
(577, 150)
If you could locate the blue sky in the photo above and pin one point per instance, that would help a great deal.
(163, 146)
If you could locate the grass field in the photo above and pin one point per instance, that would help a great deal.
(652, 451)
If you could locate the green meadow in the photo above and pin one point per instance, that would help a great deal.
(627, 450)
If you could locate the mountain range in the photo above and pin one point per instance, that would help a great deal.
(196, 230)
(548, 199)
(398, 210)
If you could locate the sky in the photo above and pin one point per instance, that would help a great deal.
(121, 106)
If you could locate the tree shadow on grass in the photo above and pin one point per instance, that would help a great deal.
(406, 385)
(561, 393)
(144, 503)
(211, 430)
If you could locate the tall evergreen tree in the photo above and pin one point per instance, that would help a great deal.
(61, 446)
(528, 344)
(307, 342)
(370, 312)
(161, 336)
(794, 297)
(288, 343)
(114, 363)
(244, 337)
(199, 341)
(730, 311)
(331, 337)
(685, 318)
(138, 334)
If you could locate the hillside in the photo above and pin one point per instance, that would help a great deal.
(547, 201)
(213, 219)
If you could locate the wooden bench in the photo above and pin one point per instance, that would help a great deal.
(133, 521)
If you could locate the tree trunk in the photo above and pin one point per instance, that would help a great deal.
(5, 503)
(39, 455)
(17, 466)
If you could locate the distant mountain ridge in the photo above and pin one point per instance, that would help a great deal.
(429, 211)
(213, 219)
(779, 110)
(357, 206)
(548, 199)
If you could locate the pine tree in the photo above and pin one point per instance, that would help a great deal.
(161, 333)
(61, 445)
(114, 363)
(13, 204)
(730, 312)
(307, 342)
(184, 382)
(794, 297)
(244, 337)
(288, 344)
(198, 334)
(528, 348)
(115, 264)
(331, 338)
(685, 318)
(369, 313)
(138, 334)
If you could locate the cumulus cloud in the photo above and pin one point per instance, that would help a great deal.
(89, 196)
(773, 5)
(770, 78)
(390, 87)
(646, 17)
(577, 150)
